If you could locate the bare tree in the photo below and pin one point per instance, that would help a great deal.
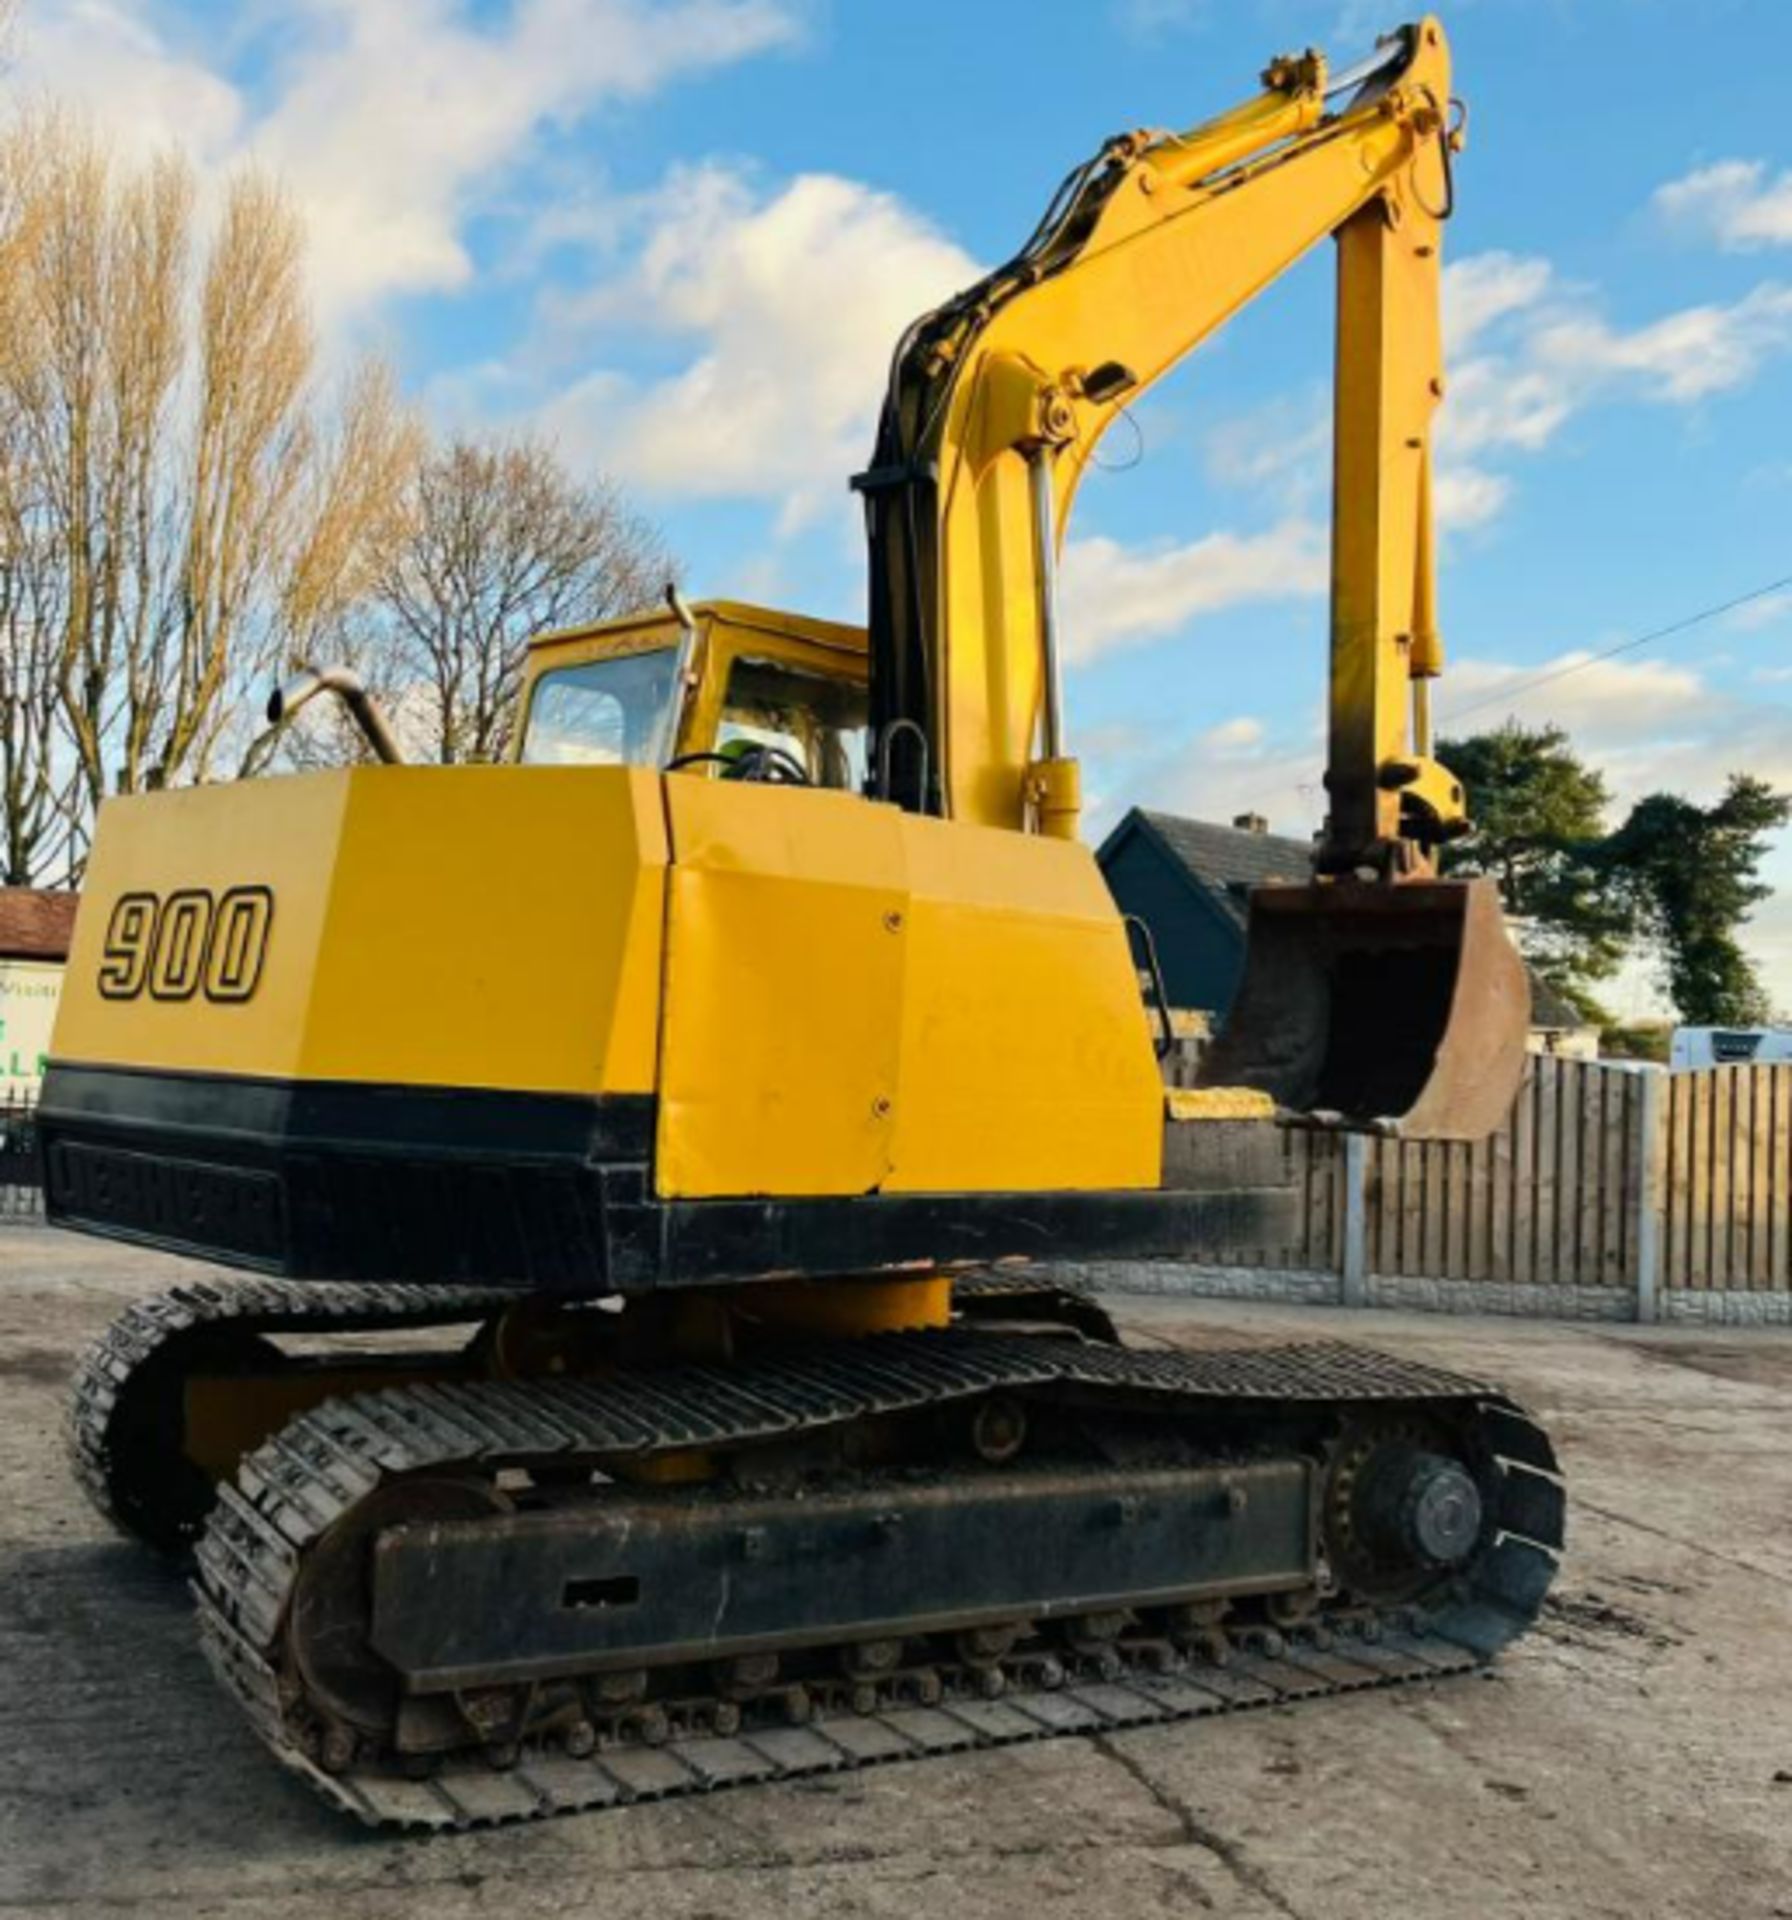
(37, 784)
(501, 543)
(179, 507)
(351, 517)
(34, 787)
(37, 787)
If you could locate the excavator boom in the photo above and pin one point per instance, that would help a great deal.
(998, 401)
(996, 405)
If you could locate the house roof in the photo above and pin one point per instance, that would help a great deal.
(1222, 864)
(34, 925)
(1548, 1008)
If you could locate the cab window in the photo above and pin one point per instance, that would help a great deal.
(816, 719)
(602, 713)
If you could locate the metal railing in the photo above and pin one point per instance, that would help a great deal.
(21, 1174)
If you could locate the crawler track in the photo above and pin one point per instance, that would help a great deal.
(470, 1792)
(122, 1375)
(292, 1490)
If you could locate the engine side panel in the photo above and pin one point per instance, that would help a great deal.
(1026, 1053)
(412, 926)
(860, 1000)
(126, 1000)
(784, 989)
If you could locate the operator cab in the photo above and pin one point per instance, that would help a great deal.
(742, 693)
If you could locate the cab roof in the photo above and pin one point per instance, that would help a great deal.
(730, 613)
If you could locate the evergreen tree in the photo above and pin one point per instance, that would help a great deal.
(1693, 873)
(1539, 823)
(1677, 875)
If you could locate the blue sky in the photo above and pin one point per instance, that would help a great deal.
(679, 238)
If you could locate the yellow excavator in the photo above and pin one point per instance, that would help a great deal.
(647, 1156)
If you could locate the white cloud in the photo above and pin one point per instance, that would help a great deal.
(393, 121)
(1683, 357)
(1766, 611)
(1617, 702)
(1537, 354)
(1526, 354)
(1116, 595)
(1467, 496)
(1732, 202)
(106, 58)
(1152, 19)
(1282, 450)
(790, 304)
(1233, 736)
(396, 115)
(1485, 287)
(1494, 403)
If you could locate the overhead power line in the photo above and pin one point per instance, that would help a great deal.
(1624, 646)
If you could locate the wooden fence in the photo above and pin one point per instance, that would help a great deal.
(1314, 1166)
(1603, 1176)
(1727, 1219)
(1553, 1197)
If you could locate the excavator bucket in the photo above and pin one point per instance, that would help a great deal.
(1403, 1008)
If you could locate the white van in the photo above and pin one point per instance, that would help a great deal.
(1729, 1046)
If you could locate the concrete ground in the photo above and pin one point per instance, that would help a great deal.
(1633, 1758)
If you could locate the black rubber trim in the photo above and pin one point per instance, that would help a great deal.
(155, 1104)
(550, 1193)
(706, 1240)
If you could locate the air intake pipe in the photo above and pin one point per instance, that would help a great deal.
(348, 687)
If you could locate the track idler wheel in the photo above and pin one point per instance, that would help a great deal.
(1419, 1507)
(154, 1486)
(351, 1689)
(1403, 1510)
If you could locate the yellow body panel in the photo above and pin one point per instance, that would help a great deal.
(1026, 1058)
(860, 999)
(657, 628)
(1218, 1103)
(281, 834)
(783, 991)
(432, 926)
(866, 1306)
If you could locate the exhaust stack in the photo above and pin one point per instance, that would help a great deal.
(348, 687)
